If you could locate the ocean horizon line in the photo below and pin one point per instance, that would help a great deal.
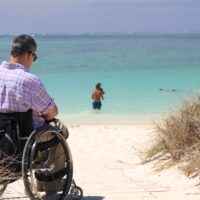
(109, 34)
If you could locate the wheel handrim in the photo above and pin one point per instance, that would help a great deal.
(28, 171)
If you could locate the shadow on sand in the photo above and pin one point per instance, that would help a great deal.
(54, 198)
(84, 198)
(15, 198)
(92, 198)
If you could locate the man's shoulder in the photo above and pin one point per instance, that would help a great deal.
(19, 75)
(31, 78)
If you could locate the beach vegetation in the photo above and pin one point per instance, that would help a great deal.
(178, 140)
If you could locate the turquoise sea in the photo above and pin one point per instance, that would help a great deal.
(144, 75)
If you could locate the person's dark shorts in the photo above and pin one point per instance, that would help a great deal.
(96, 105)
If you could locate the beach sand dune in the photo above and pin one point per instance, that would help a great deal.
(108, 166)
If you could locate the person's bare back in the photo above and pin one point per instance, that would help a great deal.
(97, 96)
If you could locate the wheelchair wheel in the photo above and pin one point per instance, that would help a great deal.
(40, 172)
(2, 188)
(76, 192)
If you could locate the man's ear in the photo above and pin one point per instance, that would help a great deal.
(28, 56)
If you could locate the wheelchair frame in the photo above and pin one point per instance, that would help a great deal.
(70, 190)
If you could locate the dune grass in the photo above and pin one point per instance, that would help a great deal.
(178, 139)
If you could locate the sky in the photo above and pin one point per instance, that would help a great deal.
(99, 16)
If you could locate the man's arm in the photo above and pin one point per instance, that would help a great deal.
(42, 103)
(93, 95)
(102, 94)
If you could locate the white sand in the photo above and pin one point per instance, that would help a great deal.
(107, 166)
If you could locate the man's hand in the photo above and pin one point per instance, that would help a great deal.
(50, 113)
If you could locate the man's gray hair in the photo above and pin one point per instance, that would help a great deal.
(23, 44)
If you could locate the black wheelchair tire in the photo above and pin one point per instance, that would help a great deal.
(77, 193)
(26, 166)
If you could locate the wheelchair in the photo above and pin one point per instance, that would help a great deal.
(41, 157)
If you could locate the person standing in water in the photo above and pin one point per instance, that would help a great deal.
(97, 96)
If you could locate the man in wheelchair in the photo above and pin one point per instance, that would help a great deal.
(25, 106)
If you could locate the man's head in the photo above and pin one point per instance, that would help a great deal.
(98, 85)
(23, 50)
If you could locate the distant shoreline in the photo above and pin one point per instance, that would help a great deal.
(108, 119)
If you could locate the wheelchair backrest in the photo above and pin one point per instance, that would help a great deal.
(14, 130)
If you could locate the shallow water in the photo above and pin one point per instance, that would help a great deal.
(141, 74)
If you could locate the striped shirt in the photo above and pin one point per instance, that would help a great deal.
(20, 91)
